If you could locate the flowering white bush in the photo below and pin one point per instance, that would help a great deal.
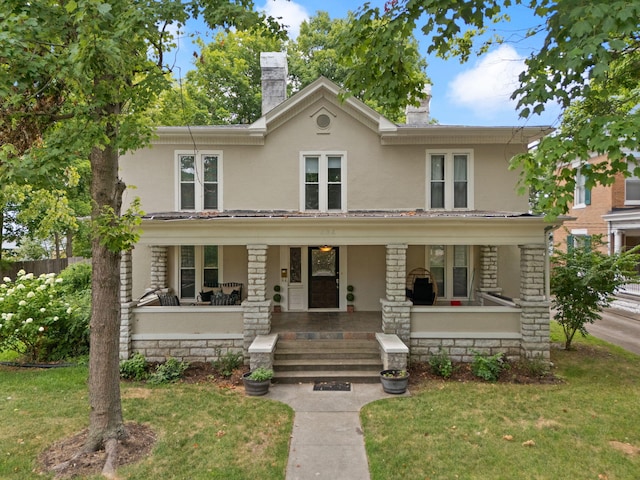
(33, 313)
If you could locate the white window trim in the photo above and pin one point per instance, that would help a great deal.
(448, 179)
(199, 193)
(575, 192)
(448, 271)
(323, 179)
(199, 261)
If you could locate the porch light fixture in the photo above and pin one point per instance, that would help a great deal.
(326, 248)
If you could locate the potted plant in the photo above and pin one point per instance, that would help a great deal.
(394, 381)
(277, 298)
(350, 298)
(257, 382)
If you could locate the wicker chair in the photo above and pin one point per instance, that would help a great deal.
(421, 287)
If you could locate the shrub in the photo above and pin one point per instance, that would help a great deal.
(488, 367)
(440, 364)
(135, 368)
(226, 364)
(76, 277)
(168, 372)
(36, 320)
(261, 374)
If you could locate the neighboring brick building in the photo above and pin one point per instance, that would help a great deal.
(611, 211)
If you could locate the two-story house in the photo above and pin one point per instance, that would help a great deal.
(320, 194)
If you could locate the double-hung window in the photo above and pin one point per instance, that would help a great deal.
(449, 264)
(323, 186)
(450, 176)
(199, 267)
(632, 186)
(199, 175)
(581, 194)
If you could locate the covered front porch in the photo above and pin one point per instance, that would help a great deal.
(501, 255)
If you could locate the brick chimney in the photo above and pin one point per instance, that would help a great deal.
(274, 79)
(420, 115)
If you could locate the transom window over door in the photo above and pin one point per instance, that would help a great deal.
(449, 184)
(199, 181)
(322, 186)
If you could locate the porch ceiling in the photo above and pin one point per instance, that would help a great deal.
(471, 228)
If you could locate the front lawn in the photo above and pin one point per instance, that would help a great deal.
(584, 428)
(203, 431)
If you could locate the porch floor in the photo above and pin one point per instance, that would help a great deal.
(326, 324)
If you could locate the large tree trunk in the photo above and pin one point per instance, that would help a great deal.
(105, 418)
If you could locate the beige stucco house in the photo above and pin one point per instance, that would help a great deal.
(320, 194)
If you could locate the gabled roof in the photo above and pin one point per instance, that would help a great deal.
(389, 132)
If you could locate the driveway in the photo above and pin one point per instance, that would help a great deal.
(618, 327)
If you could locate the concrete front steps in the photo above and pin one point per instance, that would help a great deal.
(312, 358)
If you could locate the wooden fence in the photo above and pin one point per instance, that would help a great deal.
(38, 267)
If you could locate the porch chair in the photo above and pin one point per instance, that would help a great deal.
(421, 287)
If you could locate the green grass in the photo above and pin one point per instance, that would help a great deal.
(446, 430)
(450, 430)
(203, 431)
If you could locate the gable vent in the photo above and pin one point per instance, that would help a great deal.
(323, 121)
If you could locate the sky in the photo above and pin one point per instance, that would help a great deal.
(475, 93)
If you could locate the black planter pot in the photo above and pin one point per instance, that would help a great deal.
(392, 383)
(255, 388)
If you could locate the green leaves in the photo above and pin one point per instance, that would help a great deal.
(118, 232)
(584, 279)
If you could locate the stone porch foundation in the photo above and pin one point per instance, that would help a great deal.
(188, 350)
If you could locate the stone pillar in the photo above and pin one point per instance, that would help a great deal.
(126, 304)
(489, 269)
(158, 267)
(256, 307)
(535, 314)
(396, 310)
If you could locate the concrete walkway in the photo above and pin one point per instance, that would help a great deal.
(327, 439)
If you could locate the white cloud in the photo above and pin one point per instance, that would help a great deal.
(486, 88)
(291, 14)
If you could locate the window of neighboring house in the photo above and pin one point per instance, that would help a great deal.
(450, 185)
(582, 194)
(578, 238)
(198, 176)
(632, 187)
(449, 265)
(199, 267)
(323, 182)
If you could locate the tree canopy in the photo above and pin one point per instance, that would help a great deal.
(588, 62)
(225, 85)
(76, 79)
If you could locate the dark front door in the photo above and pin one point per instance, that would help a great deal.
(323, 278)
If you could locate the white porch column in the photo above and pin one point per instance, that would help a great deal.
(617, 241)
(126, 304)
(256, 308)
(535, 314)
(396, 310)
(158, 267)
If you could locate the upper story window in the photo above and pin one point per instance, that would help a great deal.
(323, 185)
(199, 267)
(632, 187)
(199, 177)
(581, 194)
(450, 183)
